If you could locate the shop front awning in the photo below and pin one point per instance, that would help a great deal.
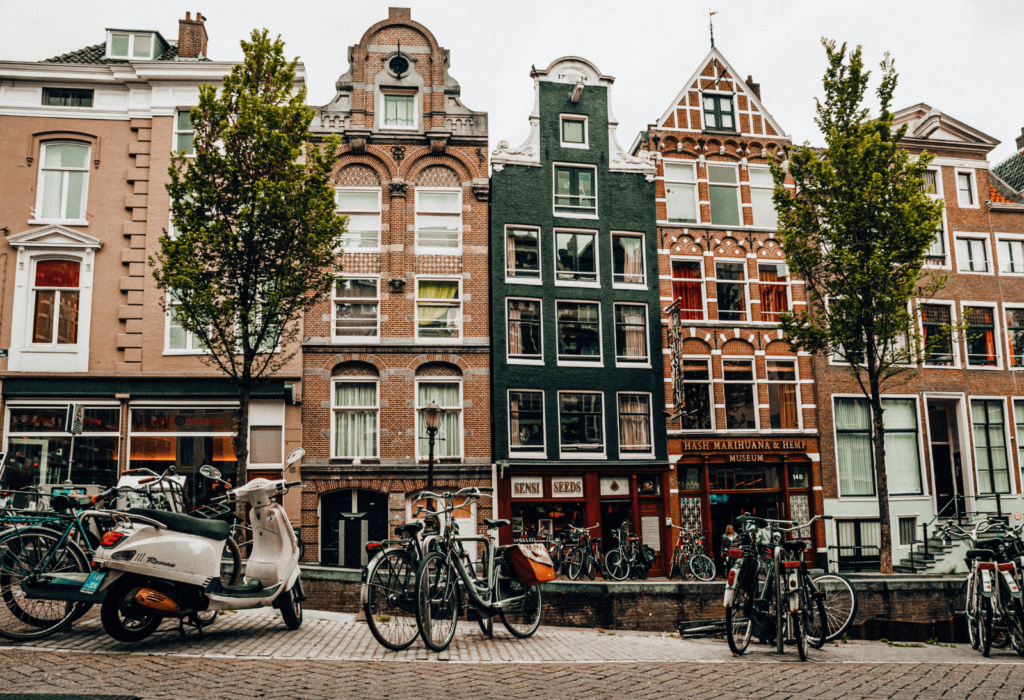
(137, 388)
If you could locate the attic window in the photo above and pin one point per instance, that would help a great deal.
(718, 115)
(125, 45)
(64, 97)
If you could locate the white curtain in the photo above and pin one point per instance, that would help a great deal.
(449, 439)
(355, 431)
(856, 476)
(635, 345)
(990, 447)
(901, 458)
(633, 268)
(634, 422)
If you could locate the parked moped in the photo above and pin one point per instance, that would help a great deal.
(158, 564)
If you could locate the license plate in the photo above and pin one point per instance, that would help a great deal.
(94, 581)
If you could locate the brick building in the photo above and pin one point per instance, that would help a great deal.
(408, 324)
(743, 434)
(574, 288)
(85, 143)
(951, 429)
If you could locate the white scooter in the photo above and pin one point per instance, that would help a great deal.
(158, 564)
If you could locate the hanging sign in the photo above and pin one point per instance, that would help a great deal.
(527, 487)
(75, 418)
(567, 487)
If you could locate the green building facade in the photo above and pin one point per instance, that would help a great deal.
(578, 379)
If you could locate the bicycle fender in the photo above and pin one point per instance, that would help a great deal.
(1011, 584)
(986, 583)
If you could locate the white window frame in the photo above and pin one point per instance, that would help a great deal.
(986, 241)
(643, 260)
(516, 359)
(554, 196)
(696, 189)
(37, 217)
(335, 337)
(178, 131)
(1006, 307)
(377, 213)
(586, 130)
(755, 385)
(646, 362)
(428, 250)
(585, 454)
(752, 187)
(417, 109)
(916, 517)
(744, 285)
(1009, 238)
(1008, 443)
(703, 280)
(799, 394)
(997, 339)
(972, 174)
(634, 454)
(543, 452)
(422, 449)
(53, 346)
(596, 284)
(947, 262)
(458, 314)
(539, 279)
(131, 45)
(735, 111)
(739, 198)
(190, 339)
(954, 340)
(788, 285)
(599, 361)
(336, 409)
(710, 383)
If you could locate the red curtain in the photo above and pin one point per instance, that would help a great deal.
(687, 286)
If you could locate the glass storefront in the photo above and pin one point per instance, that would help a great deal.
(540, 521)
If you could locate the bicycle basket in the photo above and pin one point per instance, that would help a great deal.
(532, 564)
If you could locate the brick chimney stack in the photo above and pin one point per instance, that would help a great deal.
(754, 87)
(192, 37)
(399, 13)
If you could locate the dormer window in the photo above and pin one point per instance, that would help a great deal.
(129, 45)
(399, 111)
(718, 115)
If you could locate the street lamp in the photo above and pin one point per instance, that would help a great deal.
(432, 418)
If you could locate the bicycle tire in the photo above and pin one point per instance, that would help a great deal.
(672, 563)
(590, 565)
(815, 622)
(437, 601)
(985, 626)
(616, 566)
(1016, 626)
(739, 627)
(971, 610)
(703, 567)
(781, 604)
(523, 618)
(23, 618)
(390, 607)
(840, 603)
(800, 632)
(575, 559)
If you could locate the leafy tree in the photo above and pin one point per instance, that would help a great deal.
(856, 229)
(256, 236)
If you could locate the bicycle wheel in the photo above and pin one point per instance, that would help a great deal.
(1015, 625)
(26, 554)
(590, 565)
(702, 567)
(971, 610)
(390, 607)
(781, 605)
(800, 632)
(437, 601)
(815, 622)
(840, 603)
(615, 565)
(522, 617)
(985, 625)
(575, 563)
(672, 564)
(738, 625)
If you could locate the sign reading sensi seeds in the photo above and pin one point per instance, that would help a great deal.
(527, 487)
(567, 487)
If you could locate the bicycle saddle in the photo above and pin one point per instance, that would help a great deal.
(409, 528)
(794, 546)
(983, 554)
(495, 524)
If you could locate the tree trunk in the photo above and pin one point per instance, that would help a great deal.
(881, 479)
(242, 436)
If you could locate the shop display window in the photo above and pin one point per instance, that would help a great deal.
(533, 522)
(730, 478)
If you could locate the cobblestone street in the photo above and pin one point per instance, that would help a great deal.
(251, 654)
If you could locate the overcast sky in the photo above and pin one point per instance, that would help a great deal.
(959, 56)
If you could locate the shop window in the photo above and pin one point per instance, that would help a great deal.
(748, 477)
(938, 341)
(539, 522)
(184, 133)
(581, 422)
(63, 183)
(635, 423)
(438, 220)
(356, 419)
(362, 207)
(266, 445)
(731, 291)
(762, 189)
(1015, 331)
(799, 475)
(574, 131)
(972, 255)
(690, 480)
(718, 114)
(579, 332)
(697, 394)
(740, 407)
(522, 254)
(438, 310)
(681, 192)
(724, 194)
(400, 111)
(67, 97)
(526, 421)
(628, 259)
(524, 329)
(357, 308)
(576, 256)
(575, 191)
(854, 453)
(39, 448)
(782, 395)
(981, 337)
(990, 446)
(688, 289)
(631, 333)
(56, 292)
(447, 395)
(774, 284)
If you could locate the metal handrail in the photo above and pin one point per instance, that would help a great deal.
(858, 548)
(960, 513)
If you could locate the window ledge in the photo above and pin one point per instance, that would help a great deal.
(973, 272)
(67, 349)
(185, 353)
(62, 222)
(361, 339)
(578, 146)
(632, 365)
(620, 285)
(438, 251)
(527, 455)
(516, 280)
(578, 284)
(439, 341)
(517, 361)
(635, 455)
(562, 215)
(583, 455)
(596, 363)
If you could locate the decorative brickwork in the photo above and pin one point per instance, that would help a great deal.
(357, 175)
(438, 265)
(438, 176)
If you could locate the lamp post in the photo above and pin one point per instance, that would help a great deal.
(432, 418)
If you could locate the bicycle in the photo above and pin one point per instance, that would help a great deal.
(586, 557)
(689, 557)
(500, 591)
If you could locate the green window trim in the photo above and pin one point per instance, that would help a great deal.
(719, 114)
(575, 190)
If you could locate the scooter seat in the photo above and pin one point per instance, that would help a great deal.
(200, 527)
(495, 524)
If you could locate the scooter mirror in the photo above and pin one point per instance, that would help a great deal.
(209, 472)
(296, 455)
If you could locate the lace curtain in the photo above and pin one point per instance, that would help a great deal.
(448, 442)
(355, 431)
(632, 252)
(634, 423)
(635, 345)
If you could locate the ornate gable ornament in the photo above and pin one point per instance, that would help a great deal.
(54, 236)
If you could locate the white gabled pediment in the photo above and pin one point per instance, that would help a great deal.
(54, 236)
(925, 122)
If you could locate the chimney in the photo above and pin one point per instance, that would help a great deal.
(754, 87)
(1020, 141)
(399, 13)
(192, 36)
